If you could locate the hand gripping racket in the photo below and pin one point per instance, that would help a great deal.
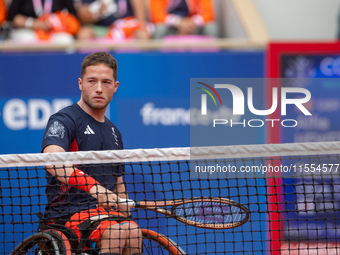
(202, 212)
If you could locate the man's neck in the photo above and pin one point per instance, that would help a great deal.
(97, 114)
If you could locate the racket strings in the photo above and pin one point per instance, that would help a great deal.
(210, 213)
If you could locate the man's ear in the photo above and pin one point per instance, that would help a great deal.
(80, 83)
(116, 85)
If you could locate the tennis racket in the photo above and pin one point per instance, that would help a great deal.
(202, 212)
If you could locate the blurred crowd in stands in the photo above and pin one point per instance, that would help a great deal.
(64, 21)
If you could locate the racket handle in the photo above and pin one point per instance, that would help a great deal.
(127, 202)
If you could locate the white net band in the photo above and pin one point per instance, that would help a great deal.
(170, 154)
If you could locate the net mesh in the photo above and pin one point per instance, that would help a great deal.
(292, 192)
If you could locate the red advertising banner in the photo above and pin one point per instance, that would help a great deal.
(291, 231)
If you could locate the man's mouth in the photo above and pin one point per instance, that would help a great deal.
(98, 98)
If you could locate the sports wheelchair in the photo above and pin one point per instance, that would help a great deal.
(57, 239)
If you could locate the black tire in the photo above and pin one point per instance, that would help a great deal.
(49, 242)
(155, 243)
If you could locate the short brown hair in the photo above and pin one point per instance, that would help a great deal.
(99, 58)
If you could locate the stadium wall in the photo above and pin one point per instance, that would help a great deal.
(300, 20)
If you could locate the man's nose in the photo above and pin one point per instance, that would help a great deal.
(99, 88)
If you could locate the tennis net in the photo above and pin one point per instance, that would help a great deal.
(291, 191)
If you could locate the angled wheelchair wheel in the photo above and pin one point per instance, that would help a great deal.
(48, 242)
(156, 243)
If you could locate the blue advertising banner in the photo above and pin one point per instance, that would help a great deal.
(150, 107)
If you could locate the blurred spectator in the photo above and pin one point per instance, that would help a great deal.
(2, 11)
(183, 17)
(4, 26)
(38, 20)
(114, 19)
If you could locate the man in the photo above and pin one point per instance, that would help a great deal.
(73, 194)
(183, 17)
(113, 19)
(3, 12)
(34, 21)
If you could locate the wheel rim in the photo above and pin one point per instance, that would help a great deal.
(155, 243)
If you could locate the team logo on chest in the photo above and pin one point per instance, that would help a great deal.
(89, 131)
(56, 130)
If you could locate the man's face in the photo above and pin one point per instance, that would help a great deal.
(98, 86)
